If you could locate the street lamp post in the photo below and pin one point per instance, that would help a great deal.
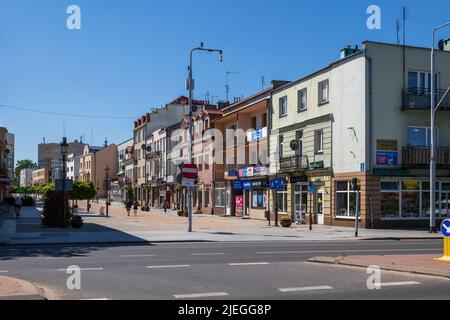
(64, 147)
(433, 137)
(107, 190)
(190, 85)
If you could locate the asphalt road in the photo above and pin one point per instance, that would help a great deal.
(247, 271)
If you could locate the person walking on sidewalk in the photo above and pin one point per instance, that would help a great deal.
(128, 206)
(165, 206)
(17, 206)
(136, 207)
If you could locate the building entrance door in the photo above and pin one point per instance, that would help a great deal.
(300, 205)
(320, 207)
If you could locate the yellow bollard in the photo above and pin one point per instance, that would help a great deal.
(445, 231)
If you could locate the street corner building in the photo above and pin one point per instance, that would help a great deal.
(7, 140)
(365, 116)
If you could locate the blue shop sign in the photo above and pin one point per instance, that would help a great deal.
(233, 173)
(387, 158)
(247, 185)
(278, 184)
(238, 185)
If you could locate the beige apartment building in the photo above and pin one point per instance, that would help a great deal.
(365, 116)
(93, 163)
(39, 177)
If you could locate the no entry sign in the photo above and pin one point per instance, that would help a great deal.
(189, 171)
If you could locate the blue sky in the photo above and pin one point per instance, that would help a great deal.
(131, 56)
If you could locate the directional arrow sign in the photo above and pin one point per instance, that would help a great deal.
(445, 228)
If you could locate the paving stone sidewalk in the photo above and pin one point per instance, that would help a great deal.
(417, 264)
(15, 289)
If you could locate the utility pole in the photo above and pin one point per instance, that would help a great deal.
(434, 109)
(190, 86)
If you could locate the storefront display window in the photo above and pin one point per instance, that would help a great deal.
(220, 195)
(282, 201)
(345, 200)
(412, 200)
(258, 199)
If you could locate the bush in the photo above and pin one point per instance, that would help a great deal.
(54, 210)
(28, 201)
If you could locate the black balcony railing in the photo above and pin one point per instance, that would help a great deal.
(419, 157)
(294, 163)
(420, 99)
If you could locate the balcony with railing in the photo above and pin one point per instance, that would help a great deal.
(419, 157)
(420, 99)
(294, 163)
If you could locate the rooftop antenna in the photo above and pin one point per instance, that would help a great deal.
(207, 96)
(263, 82)
(64, 128)
(227, 85)
(92, 136)
(399, 27)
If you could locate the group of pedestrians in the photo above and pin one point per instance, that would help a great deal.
(135, 206)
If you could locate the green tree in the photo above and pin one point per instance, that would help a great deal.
(83, 190)
(23, 164)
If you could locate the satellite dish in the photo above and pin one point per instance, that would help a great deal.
(294, 145)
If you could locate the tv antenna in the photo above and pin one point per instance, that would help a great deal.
(227, 85)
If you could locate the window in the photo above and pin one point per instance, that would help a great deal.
(318, 141)
(421, 137)
(281, 146)
(283, 107)
(282, 202)
(206, 198)
(258, 199)
(220, 195)
(323, 92)
(264, 120)
(253, 124)
(420, 82)
(345, 200)
(302, 100)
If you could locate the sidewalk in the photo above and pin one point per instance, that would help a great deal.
(417, 264)
(15, 289)
(155, 226)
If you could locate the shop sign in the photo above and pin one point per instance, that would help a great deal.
(238, 185)
(257, 134)
(387, 158)
(247, 185)
(239, 206)
(250, 172)
(387, 145)
(317, 165)
(260, 171)
(243, 173)
(233, 173)
(259, 184)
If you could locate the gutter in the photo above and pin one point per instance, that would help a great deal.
(370, 162)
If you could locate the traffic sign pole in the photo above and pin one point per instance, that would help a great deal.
(445, 228)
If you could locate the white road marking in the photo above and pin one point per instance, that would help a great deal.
(208, 254)
(352, 251)
(303, 289)
(4, 271)
(201, 295)
(169, 266)
(137, 256)
(96, 299)
(249, 264)
(82, 269)
(397, 284)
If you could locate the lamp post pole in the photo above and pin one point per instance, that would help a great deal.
(433, 136)
(107, 190)
(64, 146)
(190, 86)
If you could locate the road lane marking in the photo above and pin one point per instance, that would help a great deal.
(169, 266)
(208, 254)
(137, 256)
(96, 299)
(82, 269)
(201, 295)
(249, 264)
(397, 284)
(4, 271)
(353, 251)
(303, 289)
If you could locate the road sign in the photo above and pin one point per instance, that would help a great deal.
(189, 171)
(188, 182)
(445, 228)
(278, 184)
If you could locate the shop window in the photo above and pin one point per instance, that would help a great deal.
(258, 197)
(220, 195)
(282, 202)
(345, 200)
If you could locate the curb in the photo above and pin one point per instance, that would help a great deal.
(341, 262)
(400, 238)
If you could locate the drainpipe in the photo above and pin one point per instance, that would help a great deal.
(370, 162)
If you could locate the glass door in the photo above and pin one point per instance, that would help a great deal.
(320, 207)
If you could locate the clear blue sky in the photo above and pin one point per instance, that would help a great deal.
(131, 56)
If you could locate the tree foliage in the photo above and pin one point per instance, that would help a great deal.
(23, 164)
(83, 190)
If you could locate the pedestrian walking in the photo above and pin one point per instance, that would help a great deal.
(165, 206)
(135, 208)
(17, 206)
(128, 206)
